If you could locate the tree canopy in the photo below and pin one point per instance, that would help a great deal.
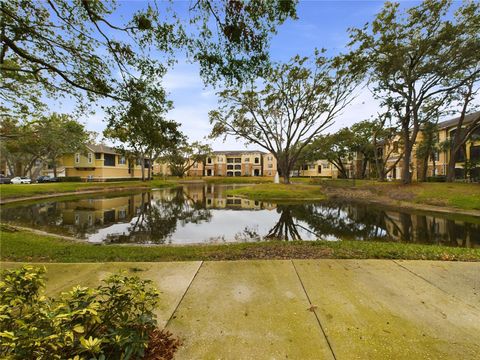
(79, 48)
(415, 58)
(290, 106)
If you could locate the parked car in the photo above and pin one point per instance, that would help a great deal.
(5, 180)
(46, 179)
(21, 180)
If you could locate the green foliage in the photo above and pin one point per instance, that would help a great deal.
(112, 321)
(62, 48)
(184, 156)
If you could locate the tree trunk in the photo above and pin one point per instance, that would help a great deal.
(423, 172)
(55, 169)
(406, 176)
(143, 166)
(451, 164)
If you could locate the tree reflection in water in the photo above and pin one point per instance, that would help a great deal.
(157, 219)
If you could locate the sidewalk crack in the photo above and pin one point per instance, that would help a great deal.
(313, 309)
(183, 296)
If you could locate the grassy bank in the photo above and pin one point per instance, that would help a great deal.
(292, 192)
(464, 196)
(28, 247)
(11, 191)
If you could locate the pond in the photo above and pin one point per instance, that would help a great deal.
(198, 213)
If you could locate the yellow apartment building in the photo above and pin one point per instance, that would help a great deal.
(99, 163)
(319, 168)
(446, 130)
(470, 151)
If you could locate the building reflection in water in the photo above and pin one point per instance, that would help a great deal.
(204, 213)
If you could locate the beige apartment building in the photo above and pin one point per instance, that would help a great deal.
(437, 166)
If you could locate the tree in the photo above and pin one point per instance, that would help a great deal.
(427, 149)
(20, 147)
(363, 136)
(59, 134)
(80, 48)
(185, 155)
(414, 57)
(463, 131)
(140, 123)
(294, 103)
(336, 148)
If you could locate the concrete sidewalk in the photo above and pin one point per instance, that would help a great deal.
(308, 309)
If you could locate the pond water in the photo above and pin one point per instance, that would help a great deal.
(198, 213)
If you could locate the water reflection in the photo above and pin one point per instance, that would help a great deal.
(203, 213)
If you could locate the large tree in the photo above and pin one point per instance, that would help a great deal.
(140, 124)
(185, 155)
(337, 148)
(287, 108)
(416, 56)
(59, 134)
(84, 48)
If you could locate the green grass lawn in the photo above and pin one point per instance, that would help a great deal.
(29, 247)
(280, 192)
(9, 191)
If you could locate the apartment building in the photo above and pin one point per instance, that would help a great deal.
(470, 151)
(438, 165)
(99, 163)
(234, 163)
(319, 168)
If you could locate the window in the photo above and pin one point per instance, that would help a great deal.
(109, 160)
(238, 167)
(312, 167)
(238, 160)
(122, 160)
(229, 167)
(238, 173)
(460, 155)
(395, 146)
(77, 158)
(219, 159)
(475, 153)
(229, 173)
(257, 160)
(247, 159)
(319, 169)
(209, 160)
(90, 157)
(229, 160)
(98, 156)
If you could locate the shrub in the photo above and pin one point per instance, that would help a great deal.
(122, 179)
(438, 178)
(70, 179)
(113, 321)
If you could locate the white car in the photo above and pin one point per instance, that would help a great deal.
(21, 180)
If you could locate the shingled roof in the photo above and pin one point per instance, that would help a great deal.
(102, 149)
(452, 122)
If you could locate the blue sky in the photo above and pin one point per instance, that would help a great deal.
(320, 24)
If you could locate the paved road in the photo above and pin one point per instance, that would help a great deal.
(308, 309)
